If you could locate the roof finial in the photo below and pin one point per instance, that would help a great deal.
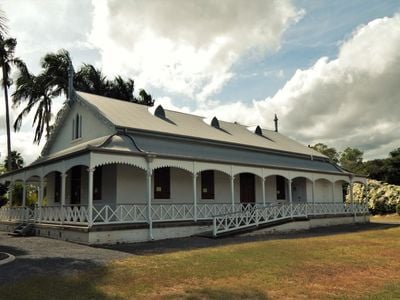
(71, 90)
(276, 123)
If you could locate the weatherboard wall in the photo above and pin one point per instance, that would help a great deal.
(92, 128)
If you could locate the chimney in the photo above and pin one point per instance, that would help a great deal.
(276, 123)
(71, 90)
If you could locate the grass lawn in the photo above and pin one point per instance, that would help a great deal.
(361, 265)
(390, 218)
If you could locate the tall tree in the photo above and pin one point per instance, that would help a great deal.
(351, 159)
(7, 59)
(39, 95)
(145, 98)
(17, 162)
(328, 151)
(53, 81)
(3, 24)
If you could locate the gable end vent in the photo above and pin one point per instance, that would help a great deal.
(258, 130)
(160, 112)
(215, 123)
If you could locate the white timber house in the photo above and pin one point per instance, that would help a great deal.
(115, 171)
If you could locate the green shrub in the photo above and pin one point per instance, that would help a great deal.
(398, 209)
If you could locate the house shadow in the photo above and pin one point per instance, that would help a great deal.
(12, 250)
(51, 278)
(200, 242)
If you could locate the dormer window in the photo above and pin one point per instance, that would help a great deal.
(77, 127)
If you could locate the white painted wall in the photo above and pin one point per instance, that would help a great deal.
(50, 187)
(338, 192)
(323, 191)
(125, 184)
(108, 185)
(222, 188)
(130, 185)
(299, 190)
(92, 127)
(181, 189)
(270, 189)
(309, 191)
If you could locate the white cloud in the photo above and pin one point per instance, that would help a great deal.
(352, 100)
(182, 46)
(41, 27)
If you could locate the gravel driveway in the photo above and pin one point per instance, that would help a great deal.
(44, 256)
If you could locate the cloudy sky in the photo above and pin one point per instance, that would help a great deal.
(329, 69)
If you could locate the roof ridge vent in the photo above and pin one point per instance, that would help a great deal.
(215, 123)
(258, 130)
(160, 112)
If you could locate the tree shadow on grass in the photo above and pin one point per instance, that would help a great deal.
(52, 278)
(197, 242)
(219, 294)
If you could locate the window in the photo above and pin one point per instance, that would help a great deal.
(77, 127)
(57, 187)
(280, 188)
(207, 184)
(162, 183)
(97, 176)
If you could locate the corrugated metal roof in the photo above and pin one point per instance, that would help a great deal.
(130, 115)
(226, 154)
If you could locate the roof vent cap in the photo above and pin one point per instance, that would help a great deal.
(258, 130)
(215, 123)
(160, 112)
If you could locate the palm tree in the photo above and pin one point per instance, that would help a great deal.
(90, 80)
(53, 81)
(37, 91)
(7, 59)
(121, 89)
(145, 98)
(3, 25)
(17, 162)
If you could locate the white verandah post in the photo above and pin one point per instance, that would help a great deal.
(90, 196)
(63, 196)
(351, 198)
(195, 197)
(24, 193)
(10, 193)
(333, 192)
(40, 197)
(233, 192)
(63, 188)
(290, 197)
(366, 202)
(148, 183)
(263, 190)
(313, 196)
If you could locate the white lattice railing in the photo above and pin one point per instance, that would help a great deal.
(138, 213)
(16, 213)
(239, 214)
(71, 214)
(123, 213)
(254, 217)
(233, 221)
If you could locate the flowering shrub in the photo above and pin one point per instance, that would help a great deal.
(382, 197)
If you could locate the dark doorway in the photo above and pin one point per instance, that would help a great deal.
(247, 188)
(76, 185)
